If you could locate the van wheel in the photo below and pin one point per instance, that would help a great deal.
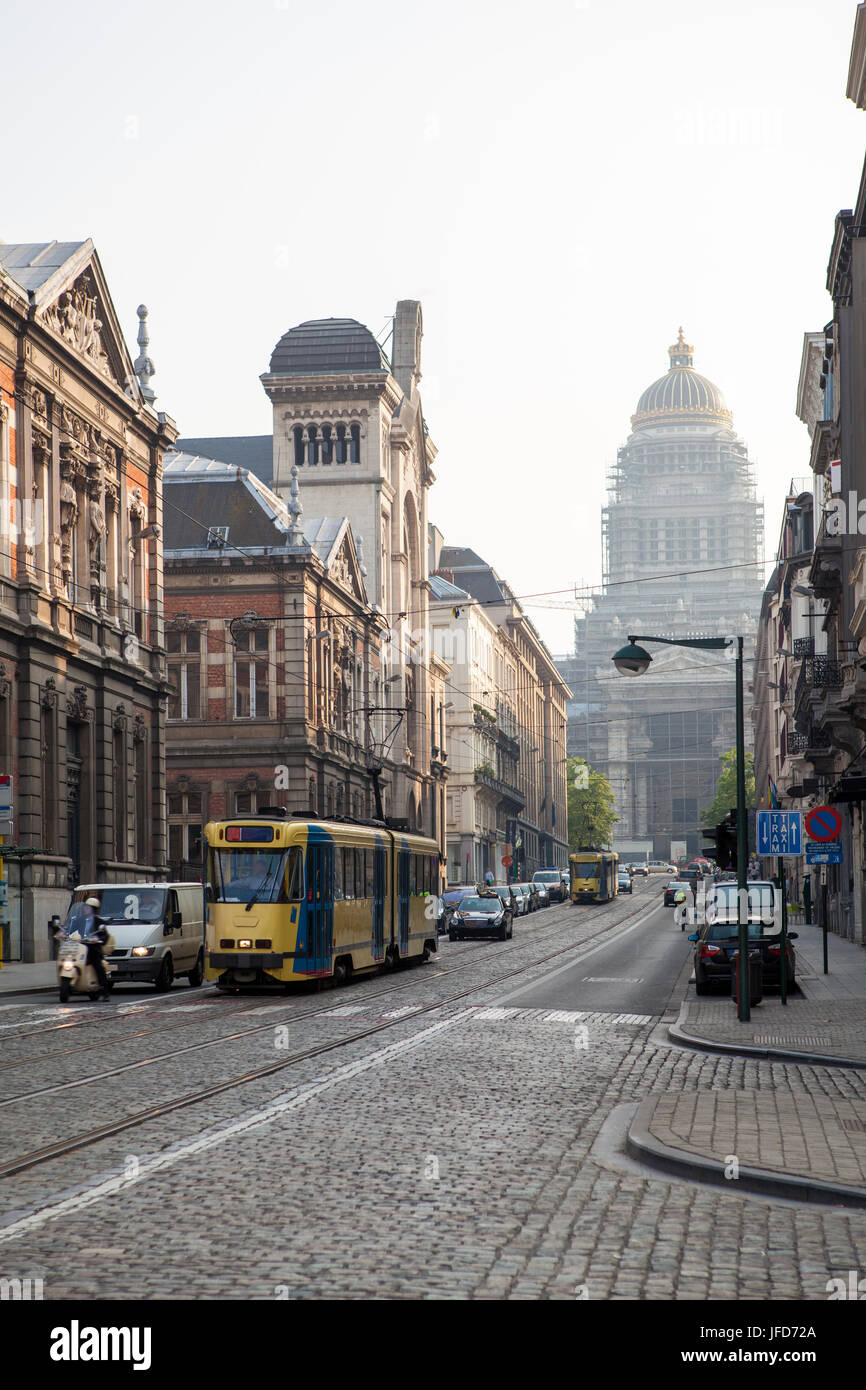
(196, 976)
(64, 991)
(93, 996)
(165, 977)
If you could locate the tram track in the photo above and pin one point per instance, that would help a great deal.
(73, 1144)
(105, 1017)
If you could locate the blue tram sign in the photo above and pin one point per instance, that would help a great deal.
(780, 832)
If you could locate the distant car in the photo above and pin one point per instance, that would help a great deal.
(675, 886)
(482, 914)
(451, 898)
(543, 894)
(508, 895)
(532, 890)
(657, 866)
(556, 886)
(523, 897)
(639, 869)
(623, 881)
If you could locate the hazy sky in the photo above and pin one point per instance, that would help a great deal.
(562, 184)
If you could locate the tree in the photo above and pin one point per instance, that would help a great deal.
(590, 812)
(726, 791)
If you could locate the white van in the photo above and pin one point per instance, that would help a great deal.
(158, 929)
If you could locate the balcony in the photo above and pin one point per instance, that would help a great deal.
(825, 575)
(803, 647)
(812, 738)
(485, 777)
(825, 672)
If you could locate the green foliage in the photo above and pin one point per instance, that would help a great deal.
(726, 791)
(590, 813)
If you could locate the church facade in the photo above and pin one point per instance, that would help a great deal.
(682, 541)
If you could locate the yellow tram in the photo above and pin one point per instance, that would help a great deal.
(593, 876)
(294, 898)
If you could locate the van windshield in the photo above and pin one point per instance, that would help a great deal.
(268, 876)
(130, 904)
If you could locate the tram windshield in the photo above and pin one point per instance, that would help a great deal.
(259, 875)
(586, 870)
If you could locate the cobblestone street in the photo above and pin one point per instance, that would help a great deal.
(450, 1153)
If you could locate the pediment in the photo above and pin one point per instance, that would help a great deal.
(344, 570)
(74, 305)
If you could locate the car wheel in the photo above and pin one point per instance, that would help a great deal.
(196, 975)
(452, 936)
(164, 979)
(503, 932)
(64, 991)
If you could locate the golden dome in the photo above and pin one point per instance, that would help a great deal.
(682, 396)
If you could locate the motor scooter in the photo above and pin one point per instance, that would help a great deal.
(74, 975)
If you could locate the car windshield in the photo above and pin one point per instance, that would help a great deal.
(131, 904)
(480, 905)
(266, 876)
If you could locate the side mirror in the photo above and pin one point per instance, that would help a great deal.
(694, 936)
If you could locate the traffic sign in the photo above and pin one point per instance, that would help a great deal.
(823, 823)
(823, 853)
(507, 861)
(780, 832)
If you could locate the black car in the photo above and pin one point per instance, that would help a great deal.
(451, 899)
(715, 943)
(674, 886)
(482, 914)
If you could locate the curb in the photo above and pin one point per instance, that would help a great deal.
(33, 989)
(773, 1054)
(642, 1145)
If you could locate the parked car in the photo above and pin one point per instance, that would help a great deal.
(658, 866)
(523, 892)
(555, 883)
(532, 890)
(623, 881)
(508, 895)
(673, 887)
(543, 894)
(716, 941)
(482, 914)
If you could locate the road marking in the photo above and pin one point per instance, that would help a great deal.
(611, 980)
(292, 1100)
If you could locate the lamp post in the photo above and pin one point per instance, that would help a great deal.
(633, 660)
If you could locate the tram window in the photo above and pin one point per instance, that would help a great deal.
(368, 873)
(338, 875)
(359, 872)
(347, 856)
(295, 875)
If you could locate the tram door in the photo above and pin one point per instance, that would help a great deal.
(320, 905)
(379, 901)
(403, 900)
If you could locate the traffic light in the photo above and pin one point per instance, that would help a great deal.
(724, 847)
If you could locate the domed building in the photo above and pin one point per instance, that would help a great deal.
(683, 543)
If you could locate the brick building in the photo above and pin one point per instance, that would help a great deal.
(82, 700)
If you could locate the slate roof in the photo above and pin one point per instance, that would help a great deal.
(31, 263)
(320, 347)
(473, 573)
(254, 452)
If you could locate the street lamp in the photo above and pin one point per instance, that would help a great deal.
(633, 660)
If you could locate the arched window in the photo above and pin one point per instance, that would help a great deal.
(312, 445)
(341, 446)
(328, 441)
(355, 455)
(298, 436)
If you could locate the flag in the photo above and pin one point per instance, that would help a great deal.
(774, 795)
(455, 612)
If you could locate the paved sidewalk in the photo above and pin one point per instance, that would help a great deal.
(18, 978)
(811, 1148)
(825, 1019)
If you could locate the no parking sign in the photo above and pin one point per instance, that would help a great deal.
(823, 823)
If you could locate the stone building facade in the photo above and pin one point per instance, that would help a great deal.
(507, 753)
(682, 536)
(350, 421)
(82, 697)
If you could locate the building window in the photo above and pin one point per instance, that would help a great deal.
(48, 750)
(184, 673)
(142, 804)
(185, 835)
(252, 675)
(246, 803)
(119, 770)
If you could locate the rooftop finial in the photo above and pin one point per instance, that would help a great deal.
(143, 365)
(682, 354)
(295, 509)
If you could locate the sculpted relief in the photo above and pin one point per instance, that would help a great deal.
(75, 317)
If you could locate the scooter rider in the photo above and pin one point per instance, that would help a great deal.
(95, 934)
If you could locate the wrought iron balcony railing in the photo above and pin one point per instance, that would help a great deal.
(803, 647)
(826, 672)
